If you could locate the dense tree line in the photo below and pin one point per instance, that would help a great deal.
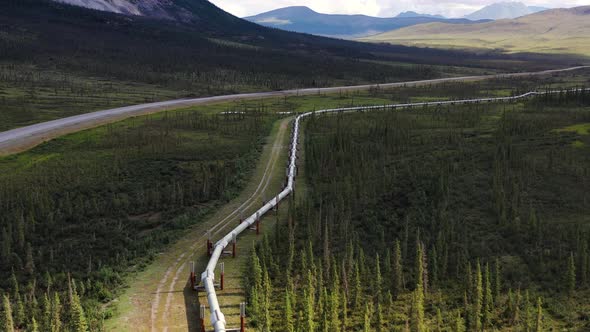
(462, 218)
(81, 212)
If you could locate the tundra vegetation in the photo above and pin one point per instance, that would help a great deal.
(456, 218)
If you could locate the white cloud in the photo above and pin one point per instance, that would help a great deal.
(274, 21)
(383, 8)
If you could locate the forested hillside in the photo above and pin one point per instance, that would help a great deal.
(460, 218)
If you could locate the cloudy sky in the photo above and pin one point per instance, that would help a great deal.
(383, 8)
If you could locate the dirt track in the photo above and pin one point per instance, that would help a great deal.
(158, 299)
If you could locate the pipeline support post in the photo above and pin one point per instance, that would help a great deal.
(202, 315)
(193, 277)
(257, 223)
(221, 282)
(234, 242)
(209, 243)
(242, 317)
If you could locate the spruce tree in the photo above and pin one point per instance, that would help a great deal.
(6, 248)
(309, 304)
(357, 289)
(469, 280)
(335, 304)
(267, 291)
(46, 315)
(425, 271)
(509, 311)
(323, 310)
(388, 306)
(571, 275)
(387, 262)
(19, 315)
(433, 268)
(397, 271)
(29, 260)
(439, 320)
(77, 316)
(289, 326)
(478, 300)
(466, 310)
(378, 291)
(378, 316)
(526, 307)
(14, 285)
(539, 322)
(255, 286)
(367, 318)
(56, 313)
(34, 325)
(7, 322)
(488, 300)
(459, 325)
(497, 280)
(417, 310)
(344, 322)
(253, 304)
(516, 315)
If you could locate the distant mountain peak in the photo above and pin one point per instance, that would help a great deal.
(305, 20)
(504, 10)
(293, 10)
(414, 14)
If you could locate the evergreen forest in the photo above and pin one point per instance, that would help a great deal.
(458, 218)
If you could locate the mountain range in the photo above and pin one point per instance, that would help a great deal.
(305, 20)
(557, 31)
(204, 37)
(414, 14)
(194, 47)
(504, 10)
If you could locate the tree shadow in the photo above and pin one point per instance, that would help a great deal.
(192, 304)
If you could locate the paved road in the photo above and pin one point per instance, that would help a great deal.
(20, 139)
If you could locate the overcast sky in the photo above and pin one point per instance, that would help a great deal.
(383, 8)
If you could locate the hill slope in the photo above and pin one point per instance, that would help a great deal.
(557, 31)
(503, 10)
(236, 53)
(69, 60)
(303, 19)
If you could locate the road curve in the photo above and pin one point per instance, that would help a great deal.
(20, 139)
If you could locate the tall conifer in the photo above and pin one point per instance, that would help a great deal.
(7, 321)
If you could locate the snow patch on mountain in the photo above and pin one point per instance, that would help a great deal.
(115, 6)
